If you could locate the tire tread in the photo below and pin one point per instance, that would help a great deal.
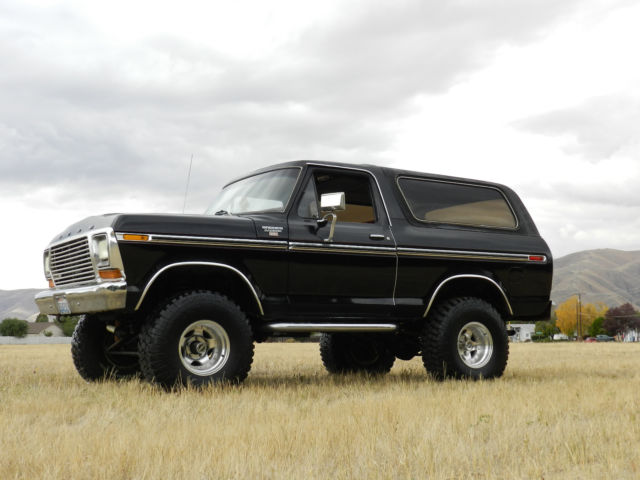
(434, 344)
(153, 358)
(335, 360)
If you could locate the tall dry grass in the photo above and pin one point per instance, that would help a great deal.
(560, 411)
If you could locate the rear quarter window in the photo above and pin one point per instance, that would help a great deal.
(457, 203)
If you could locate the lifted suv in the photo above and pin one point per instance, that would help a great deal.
(383, 263)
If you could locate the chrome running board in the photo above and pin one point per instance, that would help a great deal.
(330, 327)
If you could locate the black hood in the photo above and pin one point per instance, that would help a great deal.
(196, 225)
(86, 225)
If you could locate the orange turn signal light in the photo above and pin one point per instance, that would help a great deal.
(51, 285)
(135, 238)
(110, 274)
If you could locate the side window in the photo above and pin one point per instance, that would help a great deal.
(358, 197)
(458, 204)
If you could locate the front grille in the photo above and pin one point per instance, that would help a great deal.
(71, 263)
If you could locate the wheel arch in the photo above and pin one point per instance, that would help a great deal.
(471, 284)
(181, 276)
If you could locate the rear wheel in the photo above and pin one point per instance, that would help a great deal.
(465, 338)
(98, 353)
(197, 338)
(348, 353)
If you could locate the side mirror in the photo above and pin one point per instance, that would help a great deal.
(331, 202)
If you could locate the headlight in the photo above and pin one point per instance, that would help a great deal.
(47, 264)
(100, 249)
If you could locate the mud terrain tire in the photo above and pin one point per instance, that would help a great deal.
(197, 338)
(350, 353)
(465, 338)
(91, 355)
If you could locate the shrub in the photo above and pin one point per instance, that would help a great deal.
(545, 329)
(42, 318)
(68, 324)
(12, 327)
(47, 334)
(536, 337)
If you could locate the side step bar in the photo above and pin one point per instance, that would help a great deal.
(330, 327)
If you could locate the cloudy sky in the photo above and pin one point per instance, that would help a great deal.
(102, 105)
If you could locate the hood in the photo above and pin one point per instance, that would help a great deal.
(86, 225)
(195, 225)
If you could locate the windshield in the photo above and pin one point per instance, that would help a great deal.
(265, 192)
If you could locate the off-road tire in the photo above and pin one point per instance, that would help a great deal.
(197, 338)
(454, 329)
(350, 353)
(90, 356)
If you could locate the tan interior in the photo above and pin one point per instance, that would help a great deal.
(494, 213)
(357, 214)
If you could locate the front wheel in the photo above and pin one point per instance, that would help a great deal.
(465, 338)
(197, 338)
(98, 353)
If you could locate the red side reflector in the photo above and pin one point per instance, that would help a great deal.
(537, 258)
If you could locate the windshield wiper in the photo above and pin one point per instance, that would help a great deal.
(222, 212)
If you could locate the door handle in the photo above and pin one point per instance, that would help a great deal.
(376, 236)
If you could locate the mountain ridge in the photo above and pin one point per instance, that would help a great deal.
(603, 275)
(18, 303)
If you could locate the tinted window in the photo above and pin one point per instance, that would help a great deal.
(442, 202)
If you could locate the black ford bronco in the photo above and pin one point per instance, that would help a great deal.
(383, 263)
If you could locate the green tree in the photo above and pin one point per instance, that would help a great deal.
(596, 327)
(546, 328)
(13, 327)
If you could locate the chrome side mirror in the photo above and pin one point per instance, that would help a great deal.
(331, 202)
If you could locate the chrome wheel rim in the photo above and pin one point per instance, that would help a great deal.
(204, 347)
(475, 345)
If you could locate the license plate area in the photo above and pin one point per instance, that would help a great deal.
(63, 305)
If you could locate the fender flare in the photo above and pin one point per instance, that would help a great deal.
(468, 275)
(201, 264)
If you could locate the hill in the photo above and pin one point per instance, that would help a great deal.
(609, 276)
(17, 303)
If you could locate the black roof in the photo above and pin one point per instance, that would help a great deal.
(376, 169)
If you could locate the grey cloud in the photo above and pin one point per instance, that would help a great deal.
(388, 52)
(601, 127)
(623, 193)
(575, 216)
(117, 119)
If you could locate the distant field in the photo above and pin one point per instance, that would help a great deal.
(561, 411)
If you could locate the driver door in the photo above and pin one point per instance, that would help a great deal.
(353, 273)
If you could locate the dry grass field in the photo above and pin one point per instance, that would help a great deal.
(560, 411)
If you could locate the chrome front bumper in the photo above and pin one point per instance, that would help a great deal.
(72, 301)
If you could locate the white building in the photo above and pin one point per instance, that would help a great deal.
(524, 331)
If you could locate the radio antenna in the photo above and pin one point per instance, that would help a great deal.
(186, 190)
